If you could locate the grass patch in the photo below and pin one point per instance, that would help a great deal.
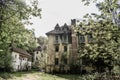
(20, 74)
(69, 76)
(36, 75)
(5, 75)
(9, 75)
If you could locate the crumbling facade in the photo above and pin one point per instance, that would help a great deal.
(62, 48)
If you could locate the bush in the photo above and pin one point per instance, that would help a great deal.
(5, 75)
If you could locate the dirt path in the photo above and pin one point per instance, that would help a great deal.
(38, 76)
(30, 76)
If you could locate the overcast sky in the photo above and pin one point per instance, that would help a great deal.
(59, 11)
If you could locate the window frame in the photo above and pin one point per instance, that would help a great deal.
(65, 48)
(56, 61)
(57, 48)
(81, 39)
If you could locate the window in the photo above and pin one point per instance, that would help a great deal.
(65, 38)
(15, 56)
(65, 61)
(37, 52)
(82, 38)
(56, 37)
(56, 48)
(36, 58)
(65, 48)
(89, 37)
(18, 67)
(69, 39)
(56, 61)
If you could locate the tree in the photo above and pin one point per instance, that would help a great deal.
(103, 51)
(110, 9)
(12, 31)
(42, 40)
(41, 58)
(18, 8)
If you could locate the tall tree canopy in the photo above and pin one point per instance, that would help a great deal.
(103, 51)
(109, 9)
(12, 31)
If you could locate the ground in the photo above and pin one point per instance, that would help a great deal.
(36, 75)
(42, 76)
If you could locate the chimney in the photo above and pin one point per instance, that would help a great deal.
(73, 22)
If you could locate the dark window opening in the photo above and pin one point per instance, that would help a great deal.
(18, 66)
(82, 39)
(65, 39)
(37, 52)
(70, 39)
(60, 37)
(36, 58)
(56, 48)
(65, 48)
(56, 37)
(65, 61)
(56, 61)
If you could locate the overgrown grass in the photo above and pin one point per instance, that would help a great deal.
(20, 74)
(9, 75)
(44, 76)
(5, 75)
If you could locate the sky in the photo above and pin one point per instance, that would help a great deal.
(59, 11)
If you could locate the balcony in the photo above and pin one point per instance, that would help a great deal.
(65, 42)
(56, 42)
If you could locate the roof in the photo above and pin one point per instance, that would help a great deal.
(60, 30)
(40, 48)
(19, 50)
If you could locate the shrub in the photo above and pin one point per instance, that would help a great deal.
(5, 75)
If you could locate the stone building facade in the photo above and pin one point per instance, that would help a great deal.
(39, 58)
(63, 47)
(21, 59)
(62, 42)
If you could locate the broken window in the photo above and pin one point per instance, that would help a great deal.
(56, 48)
(81, 38)
(65, 61)
(56, 61)
(65, 48)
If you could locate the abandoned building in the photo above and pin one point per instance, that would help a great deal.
(21, 59)
(63, 47)
(39, 57)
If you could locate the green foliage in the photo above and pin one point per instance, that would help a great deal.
(19, 8)
(5, 75)
(42, 40)
(110, 9)
(103, 50)
(40, 62)
(13, 15)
